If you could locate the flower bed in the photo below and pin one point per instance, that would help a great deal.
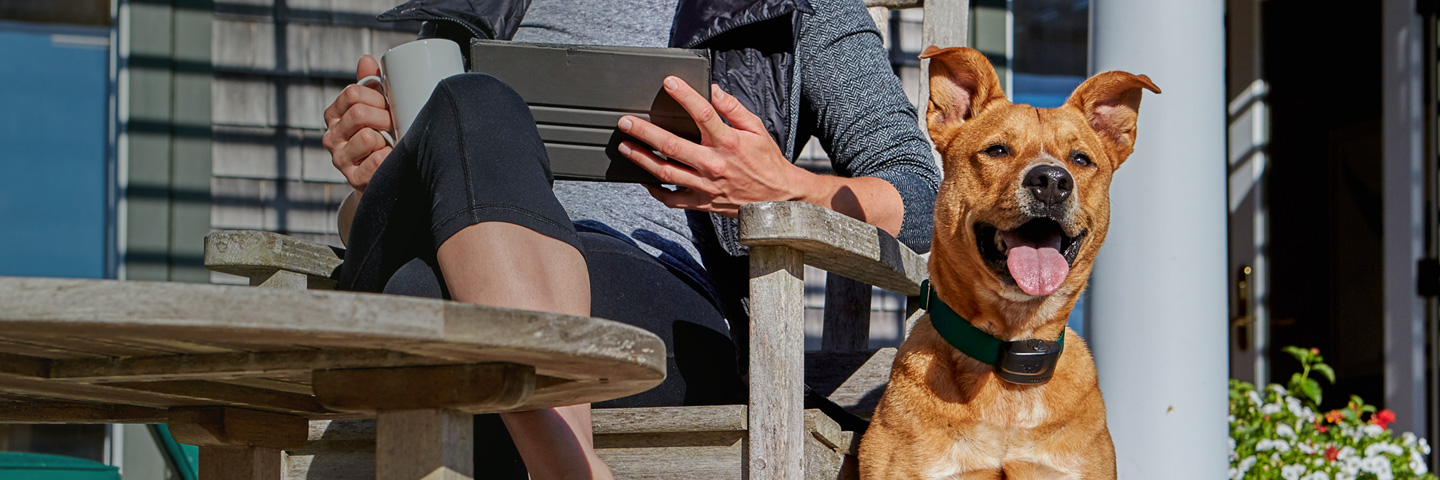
(1276, 433)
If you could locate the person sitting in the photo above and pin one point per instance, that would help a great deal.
(465, 206)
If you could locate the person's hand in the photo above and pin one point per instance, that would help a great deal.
(352, 128)
(732, 166)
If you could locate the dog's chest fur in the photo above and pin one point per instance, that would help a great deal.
(999, 429)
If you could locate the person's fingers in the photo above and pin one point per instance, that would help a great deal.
(360, 146)
(359, 177)
(735, 112)
(367, 67)
(668, 144)
(711, 126)
(357, 118)
(666, 171)
(350, 97)
(690, 200)
(681, 198)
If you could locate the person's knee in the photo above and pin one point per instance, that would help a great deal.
(478, 92)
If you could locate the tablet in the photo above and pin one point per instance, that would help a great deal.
(578, 93)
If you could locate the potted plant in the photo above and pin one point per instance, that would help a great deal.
(1278, 433)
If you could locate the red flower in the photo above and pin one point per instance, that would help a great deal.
(1383, 418)
(1314, 351)
(1331, 453)
(1321, 428)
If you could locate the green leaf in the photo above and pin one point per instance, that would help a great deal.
(1326, 371)
(1296, 381)
(1299, 353)
(1312, 390)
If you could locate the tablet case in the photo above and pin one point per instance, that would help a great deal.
(578, 93)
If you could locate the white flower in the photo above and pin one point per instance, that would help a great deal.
(1378, 466)
(1285, 431)
(1295, 407)
(1306, 448)
(1407, 439)
(1239, 471)
(1279, 390)
(1270, 409)
(1254, 397)
(1292, 472)
(1344, 476)
(1318, 475)
(1417, 464)
(1383, 447)
(1424, 446)
(1266, 444)
(1373, 430)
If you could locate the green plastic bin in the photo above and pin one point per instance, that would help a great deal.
(40, 466)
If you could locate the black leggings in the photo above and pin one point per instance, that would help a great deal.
(472, 156)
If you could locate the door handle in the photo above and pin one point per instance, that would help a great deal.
(1244, 320)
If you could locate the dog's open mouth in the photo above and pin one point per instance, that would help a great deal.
(1037, 256)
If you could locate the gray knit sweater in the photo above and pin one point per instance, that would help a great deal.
(847, 96)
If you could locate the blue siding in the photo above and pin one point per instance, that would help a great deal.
(52, 152)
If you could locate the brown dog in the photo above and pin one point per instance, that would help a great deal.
(1020, 216)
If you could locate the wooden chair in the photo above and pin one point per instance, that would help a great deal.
(772, 436)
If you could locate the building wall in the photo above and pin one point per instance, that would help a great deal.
(278, 64)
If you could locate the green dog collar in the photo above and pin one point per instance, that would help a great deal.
(1027, 362)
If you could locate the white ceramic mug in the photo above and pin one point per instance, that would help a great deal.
(409, 74)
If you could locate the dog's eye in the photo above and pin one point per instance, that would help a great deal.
(1081, 159)
(997, 150)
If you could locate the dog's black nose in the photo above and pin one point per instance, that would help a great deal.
(1050, 184)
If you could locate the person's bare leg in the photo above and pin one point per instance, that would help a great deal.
(506, 265)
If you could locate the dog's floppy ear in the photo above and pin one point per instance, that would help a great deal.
(962, 84)
(1110, 101)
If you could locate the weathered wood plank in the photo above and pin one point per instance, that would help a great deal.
(847, 314)
(580, 359)
(861, 392)
(719, 418)
(255, 254)
(90, 393)
(44, 411)
(271, 384)
(25, 366)
(240, 463)
(946, 25)
(705, 461)
(29, 348)
(834, 242)
(478, 387)
(94, 346)
(826, 370)
(174, 346)
(228, 365)
(777, 347)
(895, 4)
(225, 426)
(215, 393)
(428, 444)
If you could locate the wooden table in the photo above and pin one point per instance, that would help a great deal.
(240, 371)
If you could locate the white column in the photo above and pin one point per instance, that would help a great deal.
(1158, 314)
(1404, 214)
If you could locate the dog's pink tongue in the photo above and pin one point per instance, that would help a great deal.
(1037, 267)
(1038, 271)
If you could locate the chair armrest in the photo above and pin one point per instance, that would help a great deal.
(835, 242)
(266, 257)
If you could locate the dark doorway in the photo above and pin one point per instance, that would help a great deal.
(1323, 64)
